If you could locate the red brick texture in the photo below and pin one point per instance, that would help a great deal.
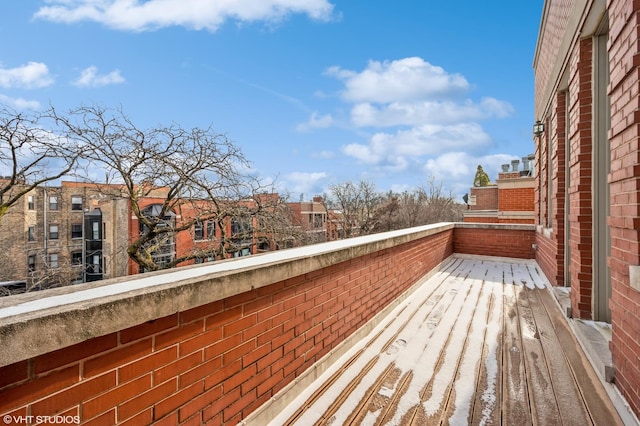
(515, 199)
(500, 242)
(624, 179)
(486, 198)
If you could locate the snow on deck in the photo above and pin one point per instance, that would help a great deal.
(480, 342)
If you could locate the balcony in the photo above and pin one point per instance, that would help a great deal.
(448, 321)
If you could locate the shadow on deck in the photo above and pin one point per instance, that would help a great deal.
(481, 341)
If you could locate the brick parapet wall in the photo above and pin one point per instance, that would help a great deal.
(219, 361)
(500, 240)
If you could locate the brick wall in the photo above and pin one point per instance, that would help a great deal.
(624, 218)
(218, 362)
(480, 219)
(486, 198)
(504, 241)
(580, 179)
(576, 151)
(515, 199)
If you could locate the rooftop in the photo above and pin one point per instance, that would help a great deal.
(482, 341)
(424, 325)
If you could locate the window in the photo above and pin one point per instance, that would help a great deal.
(76, 258)
(95, 230)
(240, 227)
(53, 202)
(76, 203)
(163, 246)
(211, 229)
(31, 233)
(53, 261)
(31, 263)
(198, 231)
(76, 230)
(95, 264)
(53, 232)
(31, 204)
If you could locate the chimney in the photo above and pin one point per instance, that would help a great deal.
(505, 168)
(515, 164)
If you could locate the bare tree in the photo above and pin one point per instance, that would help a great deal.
(31, 154)
(194, 176)
(429, 203)
(440, 205)
(356, 205)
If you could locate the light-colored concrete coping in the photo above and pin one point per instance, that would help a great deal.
(40, 322)
(36, 323)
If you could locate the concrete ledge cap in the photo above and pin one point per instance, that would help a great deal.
(36, 323)
(496, 226)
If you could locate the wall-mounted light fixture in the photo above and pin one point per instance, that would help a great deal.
(538, 128)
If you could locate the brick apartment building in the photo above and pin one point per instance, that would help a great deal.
(316, 222)
(53, 231)
(79, 232)
(509, 200)
(587, 208)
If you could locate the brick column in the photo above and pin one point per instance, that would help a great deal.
(560, 185)
(580, 169)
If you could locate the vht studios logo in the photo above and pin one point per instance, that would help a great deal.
(41, 420)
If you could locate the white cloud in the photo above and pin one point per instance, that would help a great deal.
(19, 103)
(407, 79)
(423, 112)
(459, 168)
(138, 15)
(308, 184)
(404, 145)
(33, 75)
(316, 121)
(89, 77)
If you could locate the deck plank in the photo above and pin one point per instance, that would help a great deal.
(541, 393)
(570, 403)
(488, 390)
(480, 342)
(515, 402)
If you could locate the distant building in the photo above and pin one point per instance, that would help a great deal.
(509, 200)
(79, 232)
(68, 233)
(310, 219)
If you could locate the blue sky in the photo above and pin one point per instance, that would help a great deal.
(315, 92)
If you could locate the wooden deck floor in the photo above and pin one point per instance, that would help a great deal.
(480, 342)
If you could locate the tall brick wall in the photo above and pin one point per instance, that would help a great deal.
(576, 151)
(624, 219)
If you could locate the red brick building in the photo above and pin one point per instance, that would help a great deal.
(587, 98)
(509, 200)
